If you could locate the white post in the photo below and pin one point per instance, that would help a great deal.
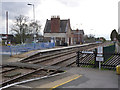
(99, 65)
(33, 19)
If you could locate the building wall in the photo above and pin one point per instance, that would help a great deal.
(58, 38)
(68, 34)
(77, 39)
(54, 34)
(65, 36)
(77, 36)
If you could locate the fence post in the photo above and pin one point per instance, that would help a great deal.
(34, 45)
(96, 62)
(10, 50)
(77, 60)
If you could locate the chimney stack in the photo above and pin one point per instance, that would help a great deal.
(55, 24)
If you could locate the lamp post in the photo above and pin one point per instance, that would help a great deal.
(33, 11)
(7, 27)
(33, 18)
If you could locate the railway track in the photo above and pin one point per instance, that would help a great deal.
(49, 57)
(54, 57)
(6, 69)
(22, 74)
(58, 58)
(55, 52)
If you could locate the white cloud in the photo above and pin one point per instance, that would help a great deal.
(99, 15)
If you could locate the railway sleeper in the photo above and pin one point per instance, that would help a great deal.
(44, 56)
(62, 60)
(49, 58)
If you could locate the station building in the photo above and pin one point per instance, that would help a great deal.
(78, 36)
(61, 33)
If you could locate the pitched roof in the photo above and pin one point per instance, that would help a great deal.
(77, 32)
(63, 24)
(47, 26)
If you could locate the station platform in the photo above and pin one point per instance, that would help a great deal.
(24, 55)
(19, 57)
(75, 77)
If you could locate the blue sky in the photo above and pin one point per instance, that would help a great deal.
(98, 17)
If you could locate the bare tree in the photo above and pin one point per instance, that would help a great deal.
(36, 26)
(20, 28)
(25, 30)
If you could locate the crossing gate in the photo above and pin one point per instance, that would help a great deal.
(88, 59)
(85, 58)
(111, 59)
(108, 51)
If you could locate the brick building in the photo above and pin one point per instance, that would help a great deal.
(58, 30)
(77, 36)
(61, 33)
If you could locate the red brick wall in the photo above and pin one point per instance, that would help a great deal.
(77, 37)
(55, 25)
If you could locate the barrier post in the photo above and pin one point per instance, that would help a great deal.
(96, 62)
(99, 65)
(77, 60)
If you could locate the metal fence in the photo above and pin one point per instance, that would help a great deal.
(88, 58)
(25, 47)
(110, 50)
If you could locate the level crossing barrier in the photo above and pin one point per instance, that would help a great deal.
(94, 59)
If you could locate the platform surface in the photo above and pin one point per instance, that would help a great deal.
(77, 78)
